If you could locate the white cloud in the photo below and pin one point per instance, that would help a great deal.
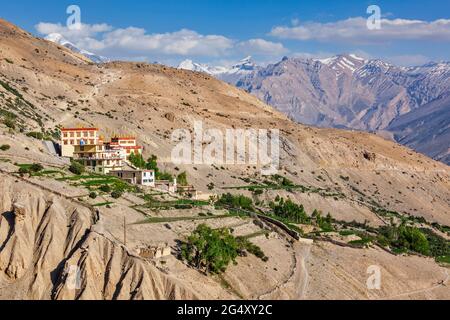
(354, 30)
(262, 47)
(131, 41)
(84, 31)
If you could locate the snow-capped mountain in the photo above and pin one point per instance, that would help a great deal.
(59, 39)
(197, 67)
(228, 74)
(344, 63)
(347, 91)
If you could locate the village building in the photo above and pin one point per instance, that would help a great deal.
(167, 186)
(98, 158)
(155, 252)
(129, 144)
(70, 137)
(137, 177)
(110, 158)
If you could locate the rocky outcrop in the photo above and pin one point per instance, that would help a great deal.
(47, 241)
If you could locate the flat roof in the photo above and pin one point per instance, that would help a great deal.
(123, 138)
(132, 171)
(79, 129)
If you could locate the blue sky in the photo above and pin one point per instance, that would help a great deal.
(223, 31)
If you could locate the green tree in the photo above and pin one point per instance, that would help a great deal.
(210, 250)
(291, 211)
(238, 202)
(137, 160)
(152, 164)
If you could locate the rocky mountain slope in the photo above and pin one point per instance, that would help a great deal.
(48, 225)
(349, 92)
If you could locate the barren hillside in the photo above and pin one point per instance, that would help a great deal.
(47, 225)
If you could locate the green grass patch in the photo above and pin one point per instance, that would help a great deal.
(443, 259)
(346, 233)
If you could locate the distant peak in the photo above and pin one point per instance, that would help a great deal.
(247, 59)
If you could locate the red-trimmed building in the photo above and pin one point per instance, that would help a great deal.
(71, 137)
(128, 144)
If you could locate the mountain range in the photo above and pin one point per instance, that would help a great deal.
(409, 105)
(344, 91)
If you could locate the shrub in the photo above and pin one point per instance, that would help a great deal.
(36, 167)
(10, 123)
(116, 194)
(33, 168)
(77, 168)
(182, 179)
(93, 195)
(5, 147)
(258, 192)
(105, 188)
(164, 176)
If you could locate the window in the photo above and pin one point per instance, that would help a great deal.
(79, 134)
(85, 134)
(65, 135)
(66, 142)
(72, 134)
(72, 142)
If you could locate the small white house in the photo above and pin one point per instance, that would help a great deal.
(139, 177)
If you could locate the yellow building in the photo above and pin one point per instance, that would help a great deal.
(99, 159)
(71, 137)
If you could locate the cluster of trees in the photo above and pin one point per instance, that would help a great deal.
(290, 211)
(212, 250)
(324, 223)
(404, 238)
(237, 202)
